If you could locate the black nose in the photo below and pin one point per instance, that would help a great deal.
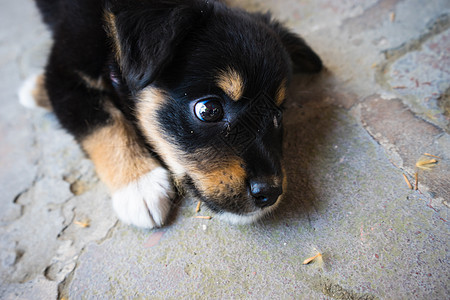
(264, 194)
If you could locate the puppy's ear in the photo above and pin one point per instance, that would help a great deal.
(304, 59)
(145, 34)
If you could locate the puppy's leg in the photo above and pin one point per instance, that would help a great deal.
(141, 188)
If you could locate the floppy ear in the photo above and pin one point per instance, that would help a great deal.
(144, 36)
(304, 59)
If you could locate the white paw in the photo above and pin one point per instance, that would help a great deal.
(26, 92)
(145, 202)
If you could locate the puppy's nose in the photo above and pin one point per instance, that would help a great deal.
(264, 194)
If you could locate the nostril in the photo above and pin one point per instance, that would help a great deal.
(262, 202)
(257, 189)
(264, 194)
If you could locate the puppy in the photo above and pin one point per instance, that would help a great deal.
(174, 96)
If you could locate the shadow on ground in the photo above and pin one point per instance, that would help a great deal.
(308, 121)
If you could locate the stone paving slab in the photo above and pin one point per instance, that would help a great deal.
(351, 134)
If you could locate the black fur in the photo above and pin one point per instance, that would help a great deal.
(178, 46)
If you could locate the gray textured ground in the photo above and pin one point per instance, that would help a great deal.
(350, 135)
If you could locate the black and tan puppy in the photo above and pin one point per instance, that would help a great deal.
(174, 93)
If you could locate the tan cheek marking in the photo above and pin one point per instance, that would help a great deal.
(40, 95)
(281, 93)
(225, 180)
(150, 100)
(116, 153)
(231, 83)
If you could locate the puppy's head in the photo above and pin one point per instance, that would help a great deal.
(208, 85)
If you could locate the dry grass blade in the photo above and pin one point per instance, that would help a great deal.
(425, 163)
(392, 17)
(197, 209)
(407, 182)
(203, 217)
(416, 176)
(428, 154)
(83, 224)
(308, 260)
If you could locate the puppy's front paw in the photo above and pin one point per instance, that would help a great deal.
(145, 202)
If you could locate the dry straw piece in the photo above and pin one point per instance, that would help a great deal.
(428, 154)
(203, 217)
(425, 163)
(83, 224)
(416, 176)
(308, 260)
(392, 17)
(197, 209)
(407, 181)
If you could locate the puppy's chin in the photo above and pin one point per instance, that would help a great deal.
(238, 208)
(247, 218)
(244, 216)
(252, 214)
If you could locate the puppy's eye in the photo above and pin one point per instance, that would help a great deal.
(209, 110)
(277, 119)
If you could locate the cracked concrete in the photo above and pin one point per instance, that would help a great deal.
(351, 134)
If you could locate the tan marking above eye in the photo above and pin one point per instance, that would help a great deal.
(97, 84)
(231, 82)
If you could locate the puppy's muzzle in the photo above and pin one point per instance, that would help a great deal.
(264, 193)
